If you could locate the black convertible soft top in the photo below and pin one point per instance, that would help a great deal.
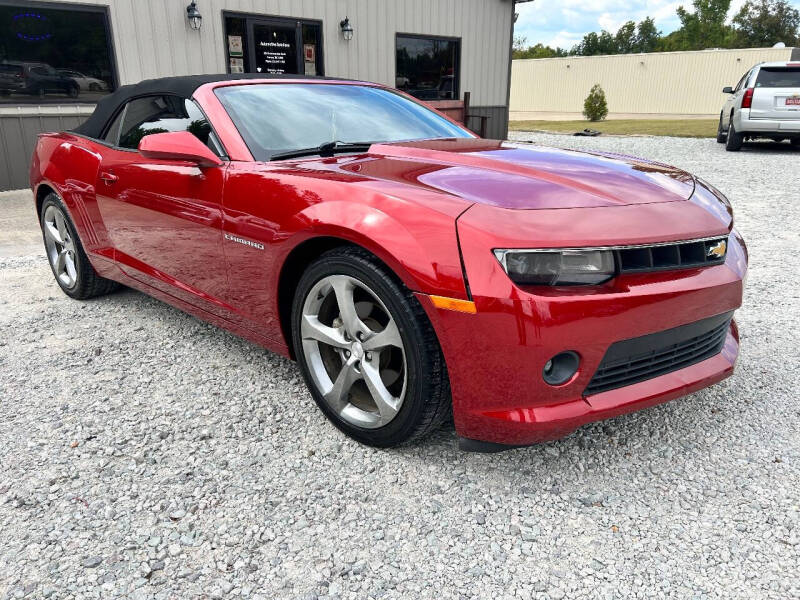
(183, 87)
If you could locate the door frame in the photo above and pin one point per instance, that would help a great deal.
(279, 20)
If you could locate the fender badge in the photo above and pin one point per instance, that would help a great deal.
(238, 240)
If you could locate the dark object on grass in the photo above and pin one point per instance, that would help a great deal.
(588, 132)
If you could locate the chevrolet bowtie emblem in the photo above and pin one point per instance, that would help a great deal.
(717, 250)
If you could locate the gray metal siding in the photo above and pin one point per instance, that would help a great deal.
(152, 38)
(497, 125)
(17, 139)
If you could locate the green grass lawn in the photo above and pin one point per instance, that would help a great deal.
(677, 128)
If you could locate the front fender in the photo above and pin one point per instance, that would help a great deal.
(426, 260)
(281, 210)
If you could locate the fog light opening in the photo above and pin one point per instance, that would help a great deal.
(561, 368)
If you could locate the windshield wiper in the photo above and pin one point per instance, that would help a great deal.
(325, 150)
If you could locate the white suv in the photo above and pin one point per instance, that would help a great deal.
(765, 103)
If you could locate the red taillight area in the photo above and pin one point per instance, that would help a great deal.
(747, 99)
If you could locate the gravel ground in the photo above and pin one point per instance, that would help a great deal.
(146, 454)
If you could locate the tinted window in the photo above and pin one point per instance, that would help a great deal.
(776, 77)
(428, 67)
(276, 48)
(742, 82)
(275, 118)
(40, 41)
(112, 135)
(161, 114)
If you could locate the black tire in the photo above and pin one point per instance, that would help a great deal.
(93, 87)
(734, 139)
(88, 284)
(427, 403)
(41, 92)
(721, 135)
(73, 91)
(795, 142)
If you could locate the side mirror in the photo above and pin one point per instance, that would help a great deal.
(727, 90)
(178, 145)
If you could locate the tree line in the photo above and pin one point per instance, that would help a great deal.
(758, 24)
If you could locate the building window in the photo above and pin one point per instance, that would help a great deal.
(269, 45)
(54, 53)
(428, 67)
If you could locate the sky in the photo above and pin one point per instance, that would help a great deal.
(564, 22)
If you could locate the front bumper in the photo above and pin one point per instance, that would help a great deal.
(495, 357)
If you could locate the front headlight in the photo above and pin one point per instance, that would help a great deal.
(557, 267)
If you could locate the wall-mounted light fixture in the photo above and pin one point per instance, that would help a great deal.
(347, 29)
(194, 16)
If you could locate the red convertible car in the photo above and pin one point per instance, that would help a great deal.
(412, 269)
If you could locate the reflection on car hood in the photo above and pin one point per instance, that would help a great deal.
(531, 177)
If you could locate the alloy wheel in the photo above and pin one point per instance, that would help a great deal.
(354, 351)
(60, 246)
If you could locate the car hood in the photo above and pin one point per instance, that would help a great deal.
(514, 177)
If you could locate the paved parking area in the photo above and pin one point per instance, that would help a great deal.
(145, 454)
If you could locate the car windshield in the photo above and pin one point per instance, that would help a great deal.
(278, 118)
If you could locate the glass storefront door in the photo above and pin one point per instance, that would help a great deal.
(275, 48)
(272, 45)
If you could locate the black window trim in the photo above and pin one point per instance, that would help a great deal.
(121, 115)
(742, 82)
(124, 108)
(750, 76)
(425, 36)
(103, 9)
(248, 16)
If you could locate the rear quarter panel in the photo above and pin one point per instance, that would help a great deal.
(69, 164)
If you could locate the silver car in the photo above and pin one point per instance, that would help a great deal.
(764, 104)
(86, 83)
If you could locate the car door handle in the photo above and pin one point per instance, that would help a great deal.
(108, 177)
